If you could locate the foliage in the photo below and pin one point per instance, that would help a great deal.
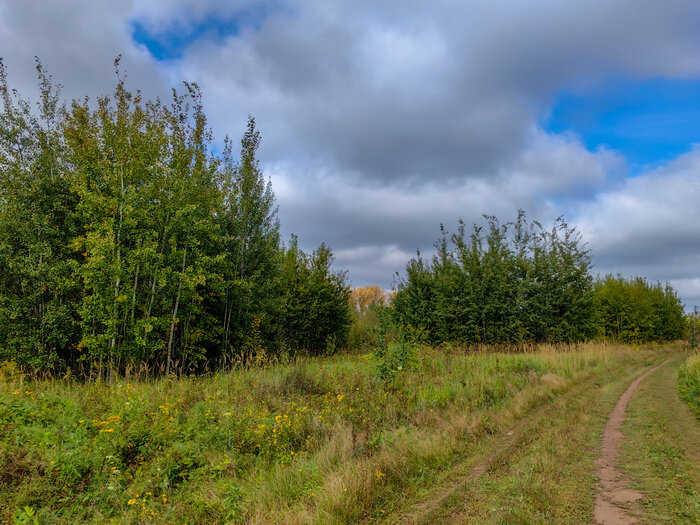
(363, 297)
(398, 354)
(255, 442)
(689, 382)
(512, 284)
(692, 329)
(633, 310)
(127, 242)
(316, 305)
(518, 283)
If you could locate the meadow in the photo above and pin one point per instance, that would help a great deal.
(312, 440)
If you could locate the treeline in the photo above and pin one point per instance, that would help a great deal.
(124, 239)
(634, 310)
(517, 283)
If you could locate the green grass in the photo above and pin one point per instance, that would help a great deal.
(661, 450)
(544, 471)
(689, 382)
(318, 440)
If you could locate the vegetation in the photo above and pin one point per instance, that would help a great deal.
(129, 246)
(689, 382)
(127, 242)
(517, 283)
(317, 440)
(661, 450)
(370, 316)
(634, 311)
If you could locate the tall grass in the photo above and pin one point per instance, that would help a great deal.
(319, 440)
(689, 382)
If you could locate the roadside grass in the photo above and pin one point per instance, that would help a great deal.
(661, 450)
(689, 382)
(546, 473)
(319, 440)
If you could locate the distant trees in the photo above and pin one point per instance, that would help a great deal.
(634, 310)
(517, 283)
(508, 284)
(371, 307)
(362, 297)
(124, 239)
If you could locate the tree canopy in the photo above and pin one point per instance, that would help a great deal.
(126, 240)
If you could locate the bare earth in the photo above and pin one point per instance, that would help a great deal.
(615, 503)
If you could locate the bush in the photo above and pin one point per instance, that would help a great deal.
(689, 382)
(398, 355)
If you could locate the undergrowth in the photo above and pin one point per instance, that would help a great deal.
(689, 382)
(321, 440)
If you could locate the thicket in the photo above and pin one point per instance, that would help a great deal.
(125, 240)
(504, 284)
(689, 382)
(517, 283)
(636, 311)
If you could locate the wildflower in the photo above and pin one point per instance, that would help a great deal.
(131, 502)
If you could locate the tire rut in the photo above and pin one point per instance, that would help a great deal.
(615, 502)
(436, 509)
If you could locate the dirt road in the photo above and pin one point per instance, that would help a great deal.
(615, 502)
(576, 459)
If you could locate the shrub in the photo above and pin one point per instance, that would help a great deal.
(689, 382)
(399, 354)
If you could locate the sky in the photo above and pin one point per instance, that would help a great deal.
(381, 120)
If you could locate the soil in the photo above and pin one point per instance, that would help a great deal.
(616, 504)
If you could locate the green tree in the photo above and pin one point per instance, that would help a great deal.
(37, 222)
(251, 244)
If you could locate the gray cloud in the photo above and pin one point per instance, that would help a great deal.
(441, 93)
(381, 120)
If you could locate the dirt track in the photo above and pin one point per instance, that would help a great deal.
(615, 503)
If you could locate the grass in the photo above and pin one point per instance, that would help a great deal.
(315, 441)
(539, 470)
(661, 450)
(689, 382)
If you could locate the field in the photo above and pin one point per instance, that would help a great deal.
(455, 437)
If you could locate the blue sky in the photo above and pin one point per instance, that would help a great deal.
(172, 40)
(170, 43)
(650, 121)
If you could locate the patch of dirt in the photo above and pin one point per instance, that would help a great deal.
(616, 503)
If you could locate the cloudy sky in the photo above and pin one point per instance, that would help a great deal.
(382, 119)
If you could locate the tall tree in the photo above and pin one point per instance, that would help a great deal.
(250, 232)
(37, 223)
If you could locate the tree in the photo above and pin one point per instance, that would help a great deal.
(251, 244)
(316, 309)
(38, 292)
(509, 284)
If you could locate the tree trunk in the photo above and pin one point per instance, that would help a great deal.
(172, 323)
